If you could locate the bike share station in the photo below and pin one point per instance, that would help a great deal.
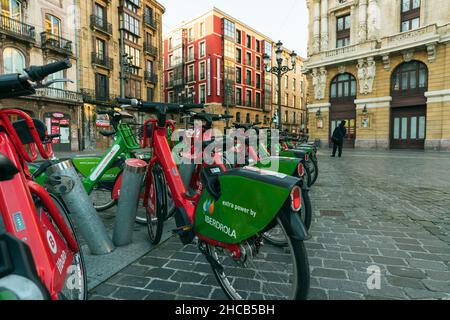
(110, 242)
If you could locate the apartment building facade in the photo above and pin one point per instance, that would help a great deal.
(111, 30)
(294, 88)
(384, 67)
(35, 33)
(217, 60)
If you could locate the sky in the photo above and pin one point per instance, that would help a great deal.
(285, 20)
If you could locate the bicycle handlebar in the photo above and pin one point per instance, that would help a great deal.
(159, 107)
(36, 73)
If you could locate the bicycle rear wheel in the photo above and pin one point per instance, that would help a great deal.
(101, 198)
(270, 273)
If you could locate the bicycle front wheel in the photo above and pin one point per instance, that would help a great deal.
(268, 273)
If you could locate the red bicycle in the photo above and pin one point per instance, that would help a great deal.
(229, 217)
(29, 212)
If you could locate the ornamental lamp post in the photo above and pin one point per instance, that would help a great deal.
(279, 70)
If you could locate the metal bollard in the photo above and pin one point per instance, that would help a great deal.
(130, 190)
(80, 207)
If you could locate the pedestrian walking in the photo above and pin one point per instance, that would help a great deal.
(338, 138)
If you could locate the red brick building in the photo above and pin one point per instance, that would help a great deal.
(218, 60)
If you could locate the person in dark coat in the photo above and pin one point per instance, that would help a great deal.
(338, 138)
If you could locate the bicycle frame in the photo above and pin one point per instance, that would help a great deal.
(21, 217)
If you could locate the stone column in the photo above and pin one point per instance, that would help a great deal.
(373, 17)
(316, 25)
(362, 28)
(324, 26)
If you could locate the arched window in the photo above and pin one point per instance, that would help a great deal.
(410, 77)
(247, 118)
(238, 117)
(257, 118)
(343, 85)
(13, 61)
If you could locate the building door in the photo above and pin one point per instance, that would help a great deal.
(342, 98)
(59, 123)
(408, 127)
(408, 114)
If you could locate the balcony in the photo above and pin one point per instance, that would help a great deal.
(59, 94)
(101, 24)
(102, 61)
(150, 77)
(149, 21)
(150, 49)
(16, 29)
(55, 43)
(174, 83)
(94, 97)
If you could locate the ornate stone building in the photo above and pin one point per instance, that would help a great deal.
(384, 67)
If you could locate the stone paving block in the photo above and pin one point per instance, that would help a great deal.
(344, 285)
(403, 282)
(195, 290)
(430, 256)
(406, 272)
(163, 285)
(356, 257)
(187, 277)
(135, 270)
(344, 295)
(438, 286)
(428, 265)
(317, 294)
(184, 256)
(160, 273)
(337, 264)
(425, 294)
(329, 273)
(364, 250)
(438, 275)
(389, 261)
(133, 281)
(407, 247)
(153, 261)
(160, 296)
(127, 293)
(104, 289)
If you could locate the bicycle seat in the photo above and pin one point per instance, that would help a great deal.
(7, 169)
(24, 133)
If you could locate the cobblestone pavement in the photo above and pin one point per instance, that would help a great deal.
(385, 209)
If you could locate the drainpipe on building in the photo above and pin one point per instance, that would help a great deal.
(81, 142)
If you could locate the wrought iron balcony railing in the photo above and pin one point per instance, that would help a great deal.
(150, 77)
(59, 94)
(17, 29)
(99, 98)
(102, 60)
(150, 49)
(101, 24)
(56, 43)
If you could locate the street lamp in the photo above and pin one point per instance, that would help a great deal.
(279, 70)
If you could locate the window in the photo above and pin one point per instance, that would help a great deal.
(410, 76)
(286, 84)
(294, 101)
(100, 12)
(52, 25)
(342, 86)
(191, 53)
(133, 89)
(258, 63)
(238, 75)
(170, 44)
(238, 55)
(13, 61)
(248, 78)
(343, 31)
(247, 118)
(101, 86)
(131, 24)
(57, 75)
(294, 84)
(11, 9)
(171, 97)
(286, 99)
(150, 94)
(258, 46)
(286, 116)
(149, 66)
(202, 71)
(202, 49)
(248, 59)
(135, 55)
(202, 29)
(248, 98)
(258, 81)
(239, 96)
(100, 49)
(191, 73)
(238, 36)
(229, 29)
(229, 51)
(258, 101)
(238, 117)
(410, 16)
(249, 41)
(191, 34)
(202, 94)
